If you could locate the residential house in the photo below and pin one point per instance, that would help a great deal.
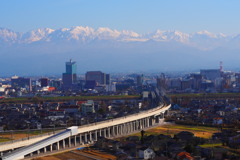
(146, 153)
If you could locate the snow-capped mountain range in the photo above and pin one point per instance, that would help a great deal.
(46, 50)
(201, 40)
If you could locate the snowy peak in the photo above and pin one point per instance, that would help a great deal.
(206, 34)
(107, 33)
(80, 32)
(35, 35)
(8, 36)
(170, 36)
(202, 39)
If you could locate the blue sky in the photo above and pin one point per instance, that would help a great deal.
(138, 15)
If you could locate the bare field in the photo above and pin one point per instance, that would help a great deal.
(85, 154)
(171, 129)
(15, 136)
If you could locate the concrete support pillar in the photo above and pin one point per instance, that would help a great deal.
(153, 121)
(75, 140)
(45, 149)
(114, 131)
(123, 129)
(80, 138)
(148, 122)
(105, 133)
(100, 132)
(90, 136)
(58, 147)
(117, 133)
(142, 122)
(126, 128)
(86, 139)
(96, 135)
(69, 141)
(145, 122)
(137, 127)
(64, 145)
(31, 154)
(131, 127)
(51, 148)
(139, 124)
(38, 151)
(109, 132)
(120, 129)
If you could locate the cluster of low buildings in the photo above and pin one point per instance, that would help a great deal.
(182, 146)
(207, 111)
(207, 80)
(64, 114)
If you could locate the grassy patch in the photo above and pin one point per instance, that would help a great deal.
(192, 128)
(198, 131)
(3, 139)
(66, 98)
(208, 95)
(210, 145)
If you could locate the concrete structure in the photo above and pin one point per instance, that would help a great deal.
(45, 144)
(99, 77)
(140, 80)
(20, 82)
(44, 82)
(211, 74)
(70, 77)
(146, 153)
(87, 133)
(88, 107)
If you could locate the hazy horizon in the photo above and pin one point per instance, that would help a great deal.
(38, 37)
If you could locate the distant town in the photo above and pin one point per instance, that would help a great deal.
(208, 100)
(98, 82)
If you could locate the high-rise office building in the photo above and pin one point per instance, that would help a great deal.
(44, 82)
(19, 82)
(70, 77)
(140, 80)
(211, 74)
(108, 79)
(98, 76)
